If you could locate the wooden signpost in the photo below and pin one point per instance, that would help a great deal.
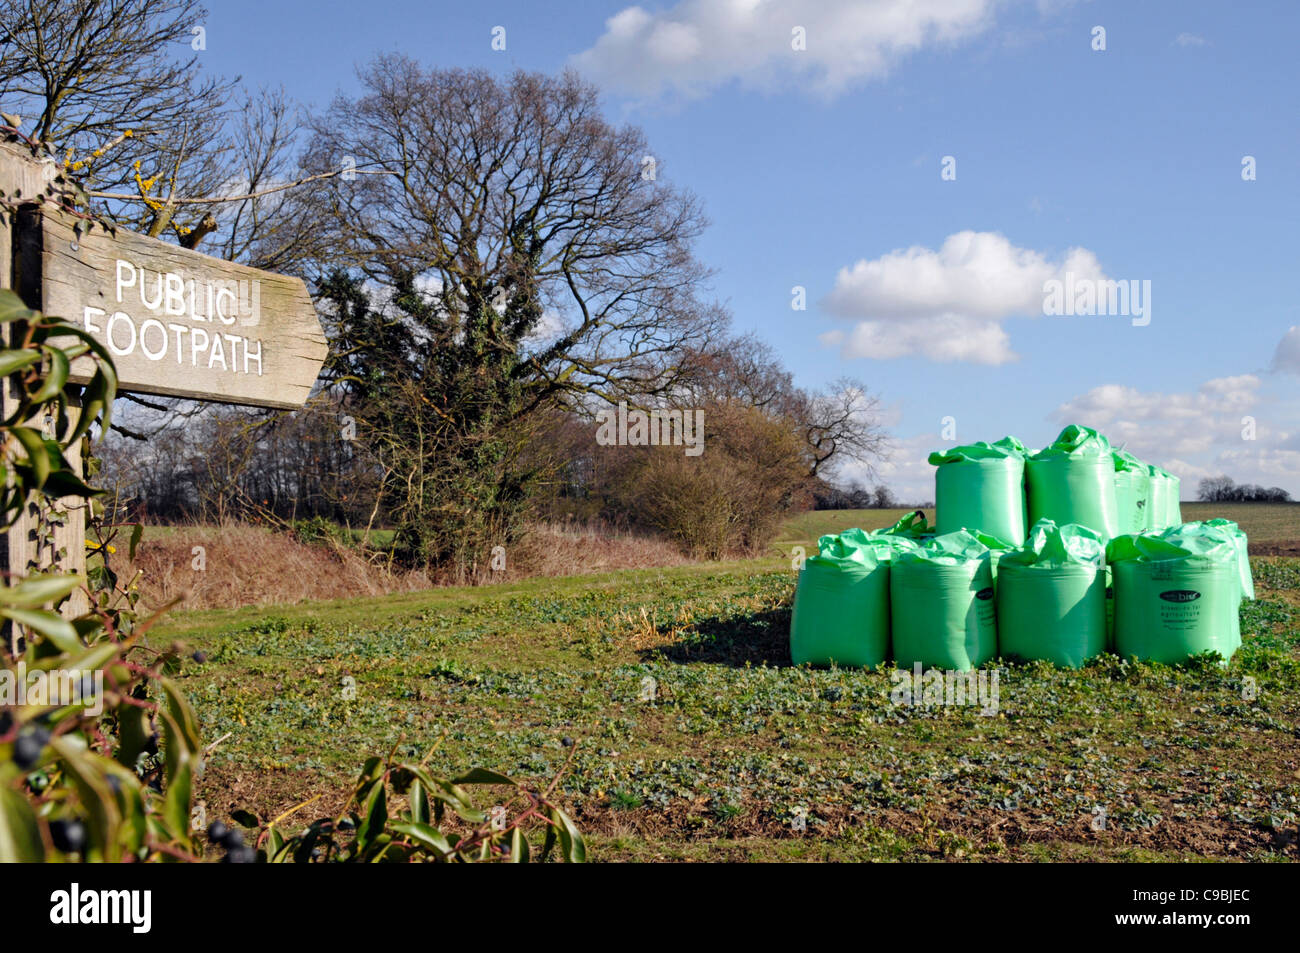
(177, 322)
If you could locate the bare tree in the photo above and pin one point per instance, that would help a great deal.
(264, 224)
(842, 423)
(1214, 489)
(115, 88)
(523, 216)
(514, 258)
(837, 425)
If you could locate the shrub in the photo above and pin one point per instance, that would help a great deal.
(733, 496)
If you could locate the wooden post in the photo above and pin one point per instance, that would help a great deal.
(24, 180)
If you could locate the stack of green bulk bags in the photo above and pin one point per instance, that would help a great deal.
(1164, 509)
(941, 604)
(841, 605)
(1177, 593)
(982, 486)
(1052, 596)
(1132, 492)
(1073, 481)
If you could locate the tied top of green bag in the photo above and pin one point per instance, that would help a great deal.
(1076, 441)
(1007, 447)
(1053, 547)
(1190, 540)
(950, 549)
(912, 526)
(855, 551)
(1156, 471)
(1126, 461)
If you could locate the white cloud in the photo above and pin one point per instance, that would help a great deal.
(1287, 356)
(946, 305)
(944, 338)
(1166, 426)
(698, 45)
(550, 327)
(1267, 466)
(1189, 39)
(1195, 434)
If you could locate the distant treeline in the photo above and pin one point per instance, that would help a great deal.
(855, 496)
(1222, 489)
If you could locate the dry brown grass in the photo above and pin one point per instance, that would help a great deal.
(251, 565)
(572, 549)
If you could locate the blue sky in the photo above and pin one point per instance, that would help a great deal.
(821, 168)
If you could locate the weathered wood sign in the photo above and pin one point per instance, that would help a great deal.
(177, 322)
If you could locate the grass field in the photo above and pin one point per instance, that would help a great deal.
(733, 744)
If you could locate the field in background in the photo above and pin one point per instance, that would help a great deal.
(1272, 528)
(697, 740)
(249, 565)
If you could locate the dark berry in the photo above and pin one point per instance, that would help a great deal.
(240, 855)
(232, 840)
(6, 722)
(217, 832)
(199, 657)
(114, 784)
(68, 836)
(28, 747)
(566, 741)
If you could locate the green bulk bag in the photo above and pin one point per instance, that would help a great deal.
(1073, 481)
(941, 604)
(1132, 492)
(1202, 538)
(1165, 508)
(841, 604)
(1177, 594)
(1243, 553)
(982, 487)
(1052, 596)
